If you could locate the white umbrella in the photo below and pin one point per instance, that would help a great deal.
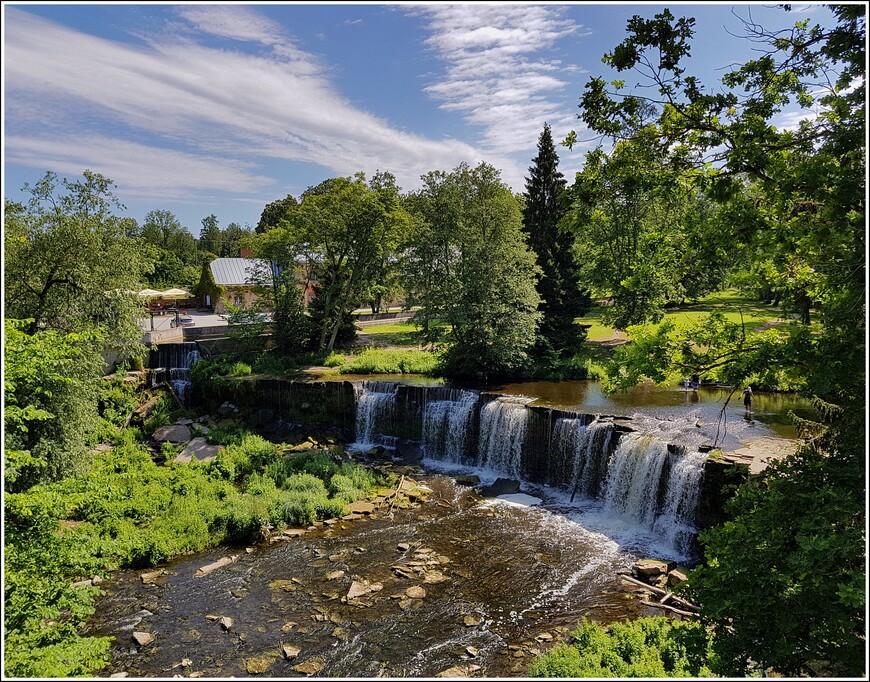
(150, 293)
(175, 293)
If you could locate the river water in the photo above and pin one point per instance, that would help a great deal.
(514, 578)
(509, 579)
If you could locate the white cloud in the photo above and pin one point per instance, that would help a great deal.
(497, 76)
(233, 106)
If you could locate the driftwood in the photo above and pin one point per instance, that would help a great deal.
(664, 594)
(666, 607)
(395, 494)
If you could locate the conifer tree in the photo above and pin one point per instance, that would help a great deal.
(562, 299)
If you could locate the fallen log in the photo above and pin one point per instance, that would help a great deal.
(667, 607)
(664, 594)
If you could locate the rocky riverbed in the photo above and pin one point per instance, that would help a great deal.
(439, 581)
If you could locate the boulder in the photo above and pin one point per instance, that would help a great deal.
(459, 671)
(676, 577)
(335, 575)
(290, 652)
(200, 449)
(310, 667)
(471, 621)
(358, 588)
(360, 507)
(143, 638)
(467, 479)
(258, 664)
(172, 433)
(502, 486)
(648, 568)
(151, 576)
(226, 622)
(220, 563)
(416, 592)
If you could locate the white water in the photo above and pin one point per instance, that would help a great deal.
(179, 377)
(503, 424)
(446, 426)
(676, 522)
(374, 405)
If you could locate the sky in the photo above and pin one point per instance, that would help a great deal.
(220, 109)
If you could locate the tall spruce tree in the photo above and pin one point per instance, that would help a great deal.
(562, 298)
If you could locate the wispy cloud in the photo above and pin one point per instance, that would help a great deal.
(496, 73)
(225, 89)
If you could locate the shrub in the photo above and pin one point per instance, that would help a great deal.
(334, 360)
(239, 369)
(646, 647)
(229, 434)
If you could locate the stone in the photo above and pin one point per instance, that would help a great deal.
(172, 433)
(119, 674)
(358, 588)
(403, 547)
(184, 422)
(434, 577)
(502, 486)
(471, 621)
(220, 563)
(335, 575)
(290, 652)
(544, 637)
(416, 592)
(226, 622)
(310, 667)
(259, 664)
(676, 577)
(647, 568)
(467, 479)
(459, 671)
(186, 663)
(288, 626)
(361, 507)
(294, 532)
(200, 449)
(143, 638)
(286, 585)
(472, 651)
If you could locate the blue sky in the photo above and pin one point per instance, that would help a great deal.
(222, 108)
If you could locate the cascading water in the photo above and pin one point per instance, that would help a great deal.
(676, 522)
(627, 474)
(446, 426)
(503, 423)
(179, 377)
(375, 403)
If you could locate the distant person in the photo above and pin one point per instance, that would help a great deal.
(747, 398)
(695, 382)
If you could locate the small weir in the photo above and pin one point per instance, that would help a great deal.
(172, 362)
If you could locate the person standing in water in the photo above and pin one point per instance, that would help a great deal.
(747, 398)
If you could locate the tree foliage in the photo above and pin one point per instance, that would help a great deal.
(70, 265)
(783, 586)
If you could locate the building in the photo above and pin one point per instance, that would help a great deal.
(234, 280)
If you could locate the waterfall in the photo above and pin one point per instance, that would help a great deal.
(633, 477)
(503, 424)
(676, 522)
(375, 404)
(446, 426)
(579, 455)
(179, 377)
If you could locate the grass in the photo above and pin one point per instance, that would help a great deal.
(390, 361)
(731, 303)
(402, 334)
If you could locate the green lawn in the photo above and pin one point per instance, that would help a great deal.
(397, 334)
(730, 303)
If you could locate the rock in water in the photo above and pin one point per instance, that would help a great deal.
(309, 667)
(143, 638)
(290, 652)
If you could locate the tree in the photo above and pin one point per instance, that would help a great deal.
(562, 299)
(231, 240)
(494, 312)
(69, 264)
(276, 212)
(796, 537)
(210, 236)
(430, 252)
(174, 250)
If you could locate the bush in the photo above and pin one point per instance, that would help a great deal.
(230, 434)
(646, 647)
(239, 369)
(334, 360)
